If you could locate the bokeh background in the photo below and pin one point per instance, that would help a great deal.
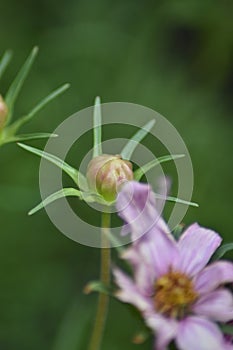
(175, 57)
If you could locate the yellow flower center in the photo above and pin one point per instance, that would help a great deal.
(174, 294)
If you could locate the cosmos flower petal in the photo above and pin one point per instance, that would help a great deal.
(220, 272)
(228, 346)
(144, 273)
(156, 251)
(136, 206)
(217, 305)
(196, 246)
(126, 229)
(164, 328)
(160, 252)
(198, 333)
(129, 292)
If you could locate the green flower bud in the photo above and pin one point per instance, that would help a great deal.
(106, 173)
(3, 112)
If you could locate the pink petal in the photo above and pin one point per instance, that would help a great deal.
(220, 272)
(197, 333)
(136, 206)
(156, 251)
(165, 330)
(151, 258)
(144, 273)
(159, 251)
(196, 246)
(129, 292)
(217, 306)
(164, 185)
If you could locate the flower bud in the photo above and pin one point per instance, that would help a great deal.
(3, 112)
(106, 173)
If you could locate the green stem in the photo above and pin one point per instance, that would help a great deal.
(103, 301)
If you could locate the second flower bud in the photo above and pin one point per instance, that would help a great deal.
(3, 112)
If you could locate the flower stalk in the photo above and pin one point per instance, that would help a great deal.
(105, 277)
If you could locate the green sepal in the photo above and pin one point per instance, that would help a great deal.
(97, 128)
(129, 148)
(176, 200)
(27, 137)
(64, 192)
(138, 174)
(76, 176)
(13, 128)
(17, 84)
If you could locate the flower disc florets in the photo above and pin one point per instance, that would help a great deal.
(106, 173)
(174, 294)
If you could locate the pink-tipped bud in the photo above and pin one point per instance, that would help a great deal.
(3, 112)
(106, 173)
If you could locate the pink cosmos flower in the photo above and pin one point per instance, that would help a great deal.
(180, 297)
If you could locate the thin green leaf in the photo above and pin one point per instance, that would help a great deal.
(17, 124)
(138, 174)
(176, 200)
(227, 328)
(96, 286)
(129, 148)
(5, 62)
(221, 251)
(65, 192)
(77, 177)
(97, 128)
(18, 82)
(26, 137)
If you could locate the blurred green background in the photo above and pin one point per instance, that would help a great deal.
(175, 57)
